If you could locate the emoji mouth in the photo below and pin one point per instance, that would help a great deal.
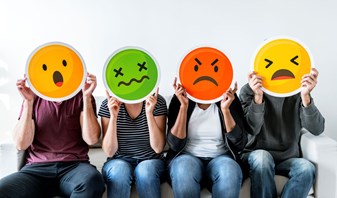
(282, 74)
(58, 78)
(133, 80)
(201, 78)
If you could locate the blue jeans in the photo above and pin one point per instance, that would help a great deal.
(119, 175)
(68, 179)
(222, 175)
(262, 169)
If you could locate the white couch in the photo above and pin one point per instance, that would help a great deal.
(321, 150)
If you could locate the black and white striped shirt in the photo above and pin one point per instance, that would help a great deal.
(133, 134)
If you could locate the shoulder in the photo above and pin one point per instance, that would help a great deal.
(104, 103)
(161, 107)
(245, 88)
(104, 110)
(161, 100)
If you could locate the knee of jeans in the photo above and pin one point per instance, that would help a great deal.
(116, 169)
(260, 159)
(185, 165)
(230, 169)
(95, 182)
(148, 169)
(306, 168)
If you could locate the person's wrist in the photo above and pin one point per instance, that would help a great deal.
(87, 99)
(258, 98)
(183, 107)
(28, 103)
(148, 113)
(225, 110)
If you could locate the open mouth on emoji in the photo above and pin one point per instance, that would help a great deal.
(282, 74)
(58, 78)
(201, 78)
(133, 80)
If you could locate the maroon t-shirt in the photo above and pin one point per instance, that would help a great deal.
(58, 133)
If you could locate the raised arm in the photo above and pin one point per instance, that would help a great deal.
(157, 124)
(109, 125)
(311, 118)
(251, 97)
(226, 102)
(90, 127)
(234, 119)
(177, 119)
(24, 130)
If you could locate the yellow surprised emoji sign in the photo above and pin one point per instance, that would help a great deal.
(55, 71)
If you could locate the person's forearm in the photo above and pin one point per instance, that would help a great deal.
(23, 133)
(110, 142)
(90, 127)
(157, 134)
(179, 127)
(228, 120)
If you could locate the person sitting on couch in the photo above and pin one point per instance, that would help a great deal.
(133, 140)
(274, 147)
(56, 136)
(204, 141)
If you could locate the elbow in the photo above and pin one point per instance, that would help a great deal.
(108, 148)
(158, 150)
(92, 141)
(92, 138)
(109, 152)
(21, 145)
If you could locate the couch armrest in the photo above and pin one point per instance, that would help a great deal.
(322, 151)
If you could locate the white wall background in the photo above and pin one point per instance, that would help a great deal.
(168, 29)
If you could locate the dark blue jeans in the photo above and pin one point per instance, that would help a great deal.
(262, 169)
(67, 179)
(222, 175)
(119, 175)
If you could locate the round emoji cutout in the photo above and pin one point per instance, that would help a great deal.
(131, 74)
(55, 71)
(281, 62)
(206, 73)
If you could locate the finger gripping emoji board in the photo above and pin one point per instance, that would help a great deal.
(131, 74)
(206, 73)
(55, 71)
(281, 62)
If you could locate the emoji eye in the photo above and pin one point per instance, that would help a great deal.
(118, 72)
(269, 62)
(64, 63)
(215, 67)
(196, 67)
(44, 67)
(293, 60)
(142, 66)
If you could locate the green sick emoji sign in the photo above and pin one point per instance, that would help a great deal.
(131, 74)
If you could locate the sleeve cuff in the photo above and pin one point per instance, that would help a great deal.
(257, 108)
(311, 109)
